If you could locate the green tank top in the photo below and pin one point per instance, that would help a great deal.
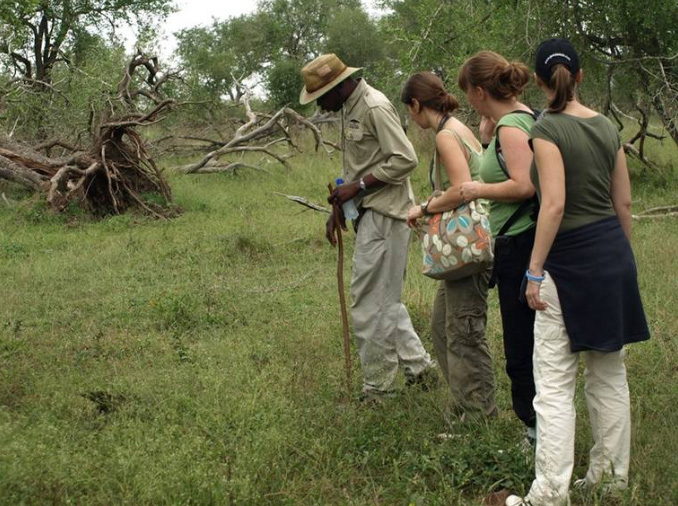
(491, 172)
(474, 162)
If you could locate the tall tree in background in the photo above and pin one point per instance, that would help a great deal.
(355, 38)
(639, 37)
(296, 31)
(35, 32)
(271, 45)
(217, 59)
(438, 35)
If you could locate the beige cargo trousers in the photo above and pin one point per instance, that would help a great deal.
(607, 399)
(382, 327)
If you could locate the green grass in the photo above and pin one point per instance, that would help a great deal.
(199, 361)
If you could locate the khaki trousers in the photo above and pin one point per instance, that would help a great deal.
(458, 324)
(607, 398)
(381, 324)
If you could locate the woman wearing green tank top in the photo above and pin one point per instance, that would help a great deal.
(459, 315)
(492, 86)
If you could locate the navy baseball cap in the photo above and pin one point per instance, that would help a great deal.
(551, 52)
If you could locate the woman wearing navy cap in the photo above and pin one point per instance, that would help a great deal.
(582, 284)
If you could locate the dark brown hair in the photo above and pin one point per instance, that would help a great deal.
(492, 72)
(429, 91)
(563, 83)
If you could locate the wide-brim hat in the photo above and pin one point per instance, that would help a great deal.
(323, 74)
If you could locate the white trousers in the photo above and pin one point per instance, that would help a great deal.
(607, 399)
(381, 324)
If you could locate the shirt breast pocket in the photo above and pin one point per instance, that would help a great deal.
(354, 131)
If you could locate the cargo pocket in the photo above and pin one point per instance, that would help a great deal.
(468, 327)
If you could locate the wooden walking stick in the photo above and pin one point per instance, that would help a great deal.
(342, 297)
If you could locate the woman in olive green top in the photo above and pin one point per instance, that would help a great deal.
(492, 86)
(459, 315)
(582, 281)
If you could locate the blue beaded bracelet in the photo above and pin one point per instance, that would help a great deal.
(532, 277)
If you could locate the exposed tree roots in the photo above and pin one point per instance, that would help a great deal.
(116, 172)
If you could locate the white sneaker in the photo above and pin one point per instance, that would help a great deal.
(514, 500)
(532, 434)
(606, 487)
(580, 484)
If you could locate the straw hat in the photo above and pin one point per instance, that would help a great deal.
(321, 75)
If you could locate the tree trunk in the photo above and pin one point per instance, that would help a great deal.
(668, 120)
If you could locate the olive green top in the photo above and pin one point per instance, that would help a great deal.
(491, 172)
(589, 149)
(474, 161)
(374, 142)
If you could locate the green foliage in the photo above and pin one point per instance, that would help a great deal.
(439, 36)
(354, 38)
(274, 43)
(284, 83)
(38, 31)
(298, 28)
(65, 110)
(67, 66)
(219, 57)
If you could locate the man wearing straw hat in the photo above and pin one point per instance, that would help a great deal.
(377, 161)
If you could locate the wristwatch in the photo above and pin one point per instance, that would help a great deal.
(362, 184)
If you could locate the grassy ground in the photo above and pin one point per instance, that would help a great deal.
(199, 361)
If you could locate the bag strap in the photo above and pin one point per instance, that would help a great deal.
(516, 214)
(435, 176)
(502, 164)
(497, 144)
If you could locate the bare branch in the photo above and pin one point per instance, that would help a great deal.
(234, 142)
(317, 134)
(231, 167)
(57, 142)
(305, 202)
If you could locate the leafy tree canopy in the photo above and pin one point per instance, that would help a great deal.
(37, 33)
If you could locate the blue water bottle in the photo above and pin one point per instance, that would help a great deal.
(349, 208)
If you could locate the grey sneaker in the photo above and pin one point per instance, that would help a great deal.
(373, 398)
(426, 380)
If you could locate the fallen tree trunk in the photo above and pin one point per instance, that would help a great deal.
(113, 174)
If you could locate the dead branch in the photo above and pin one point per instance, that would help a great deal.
(15, 173)
(8, 202)
(319, 117)
(231, 167)
(240, 138)
(653, 216)
(319, 141)
(632, 151)
(304, 202)
(261, 126)
(47, 145)
(657, 212)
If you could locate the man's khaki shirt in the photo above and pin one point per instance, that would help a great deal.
(374, 143)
